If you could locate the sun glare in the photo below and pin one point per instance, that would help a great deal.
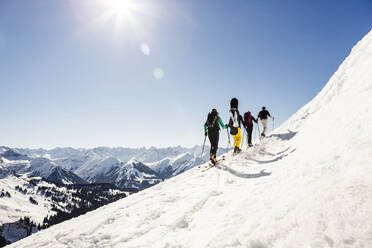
(122, 8)
(125, 14)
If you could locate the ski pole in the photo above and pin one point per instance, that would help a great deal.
(247, 138)
(241, 146)
(228, 136)
(255, 131)
(201, 156)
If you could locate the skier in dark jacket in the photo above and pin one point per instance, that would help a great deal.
(235, 124)
(212, 129)
(263, 117)
(248, 124)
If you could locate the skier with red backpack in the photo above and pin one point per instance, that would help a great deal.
(248, 124)
(212, 129)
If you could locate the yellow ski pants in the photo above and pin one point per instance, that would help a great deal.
(237, 138)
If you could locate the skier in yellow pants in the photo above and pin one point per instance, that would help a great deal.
(237, 138)
(234, 124)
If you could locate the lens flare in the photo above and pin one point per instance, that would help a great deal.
(158, 73)
(145, 49)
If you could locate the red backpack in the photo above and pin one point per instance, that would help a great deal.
(248, 118)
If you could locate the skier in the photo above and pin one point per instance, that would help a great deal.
(248, 124)
(212, 129)
(263, 117)
(234, 124)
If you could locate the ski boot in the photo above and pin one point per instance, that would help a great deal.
(213, 159)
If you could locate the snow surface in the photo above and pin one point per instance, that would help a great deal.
(309, 184)
(19, 205)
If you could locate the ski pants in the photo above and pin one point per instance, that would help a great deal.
(237, 138)
(213, 139)
(264, 125)
(249, 130)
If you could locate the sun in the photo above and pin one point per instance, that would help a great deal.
(124, 14)
(120, 19)
(122, 9)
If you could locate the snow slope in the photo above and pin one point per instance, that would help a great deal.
(309, 184)
(19, 205)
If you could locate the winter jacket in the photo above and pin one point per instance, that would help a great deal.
(216, 126)
(263, 114)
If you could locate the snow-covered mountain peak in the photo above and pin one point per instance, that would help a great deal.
(62, 176)
(182, 157)
(346, 93)
(339, 118)
(132, 162)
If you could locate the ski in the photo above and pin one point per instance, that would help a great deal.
(210, 164)
(236, 153)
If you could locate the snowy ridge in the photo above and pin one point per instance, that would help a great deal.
(308, 184)
(36, 166)
(169, 167)
(61, 176)
(133, 174)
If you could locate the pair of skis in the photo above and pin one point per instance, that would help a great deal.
(211, 165)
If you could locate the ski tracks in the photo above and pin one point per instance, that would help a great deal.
(175, 212)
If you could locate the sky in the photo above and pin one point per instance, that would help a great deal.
(146, 73)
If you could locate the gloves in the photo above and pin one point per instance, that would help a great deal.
(206, 133)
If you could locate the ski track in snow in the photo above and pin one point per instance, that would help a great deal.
(308, 184)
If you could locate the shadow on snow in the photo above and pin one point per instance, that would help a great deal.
(275, 159)
(262, 173)
(284, 136)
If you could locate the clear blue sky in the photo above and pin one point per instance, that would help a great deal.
(72, 73)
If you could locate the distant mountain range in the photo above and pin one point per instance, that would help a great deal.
(124, 167)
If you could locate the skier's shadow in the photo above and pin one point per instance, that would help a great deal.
(262, 173)
(284, 136)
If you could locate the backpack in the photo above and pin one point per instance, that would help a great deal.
(233, 130)
(234, 126)
(212, 120)
(248, 118)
